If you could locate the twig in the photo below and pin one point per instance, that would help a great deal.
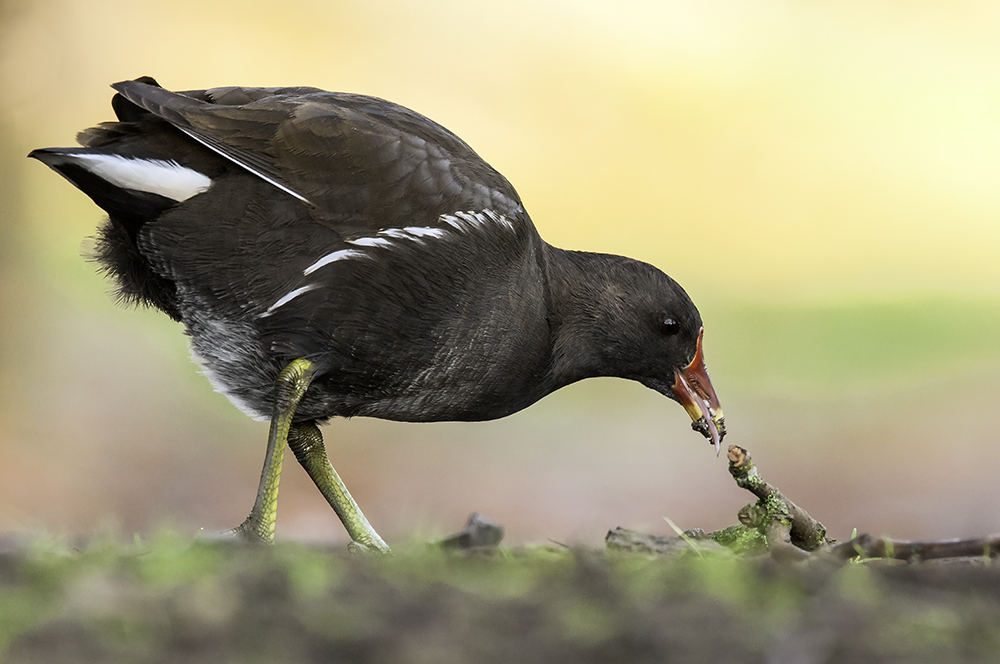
(777, 517)
(868, 546)
(776, 525)
(790, 531)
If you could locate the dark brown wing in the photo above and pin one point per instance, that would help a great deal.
(372, 191)
(354, 159)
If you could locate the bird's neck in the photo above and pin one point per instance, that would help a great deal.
(577, 309)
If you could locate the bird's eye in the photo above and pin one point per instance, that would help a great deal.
(670, 327)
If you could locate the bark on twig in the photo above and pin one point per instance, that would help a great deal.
(775, 515)
(867, 546)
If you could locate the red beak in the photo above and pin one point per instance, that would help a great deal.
(693, 389)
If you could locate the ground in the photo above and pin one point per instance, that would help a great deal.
(176, 600)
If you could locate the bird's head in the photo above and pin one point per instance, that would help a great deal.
(644, 327)
(675, 359)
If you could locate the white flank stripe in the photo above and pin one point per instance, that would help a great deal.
(338, 255)
(424, 231)
(371, 242)
(397, 233)
(499, 219)
(413, 233)
(460, 221)
(154, 176)
(472, 218)
(463, 220)
(285, 299)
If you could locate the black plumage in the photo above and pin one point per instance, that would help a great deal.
(285, 224)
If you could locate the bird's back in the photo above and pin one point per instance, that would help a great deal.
(290, 222)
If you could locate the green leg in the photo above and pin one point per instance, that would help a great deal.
(306, 442)
(289, 388)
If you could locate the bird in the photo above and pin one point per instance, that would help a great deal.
(334, 254)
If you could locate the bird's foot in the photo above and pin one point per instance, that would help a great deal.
(358, 549)
(231, 535)
(245, 532)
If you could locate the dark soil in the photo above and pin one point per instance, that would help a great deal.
(171, 601)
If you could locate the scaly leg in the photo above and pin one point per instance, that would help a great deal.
(306, 442)
(289, 388)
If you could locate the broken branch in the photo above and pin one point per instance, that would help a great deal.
(867, 546)
(794, 525)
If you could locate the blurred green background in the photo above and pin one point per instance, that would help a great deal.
(823, 178)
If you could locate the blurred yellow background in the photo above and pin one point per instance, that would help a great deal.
(823, 178)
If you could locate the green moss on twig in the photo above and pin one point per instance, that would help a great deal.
(742, 540)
